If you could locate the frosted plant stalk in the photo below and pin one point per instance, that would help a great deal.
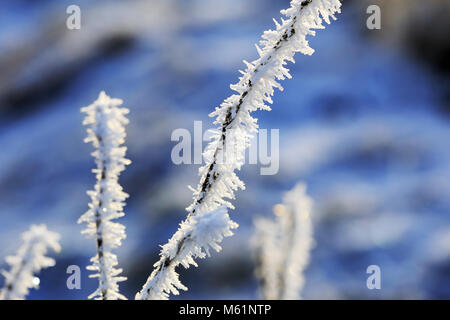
(218, 180)
(28, 261)
(268, 256)
(194, 239)
(106, 131)
(283, 246)
(255, 88)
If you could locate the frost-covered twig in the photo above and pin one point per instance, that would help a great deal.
(283, 246)
(106, 130)
(218, 180)
(267, 252)
(194, 239)
(255, 88)
(28, 261)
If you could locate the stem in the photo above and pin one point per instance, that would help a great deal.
(98, 222)
(210, 177)
(9, 286)
(289, 244)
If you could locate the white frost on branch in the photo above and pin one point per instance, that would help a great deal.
(254, 90)
(218, 179)
(283, 246)
(194, 239)
(28, 261)
(268, 256)
(106, 130)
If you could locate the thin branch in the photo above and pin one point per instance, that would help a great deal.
(218, 180)
(106, 121)
(283, 246)
(28, 261)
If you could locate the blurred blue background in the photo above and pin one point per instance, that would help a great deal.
(364, 122)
